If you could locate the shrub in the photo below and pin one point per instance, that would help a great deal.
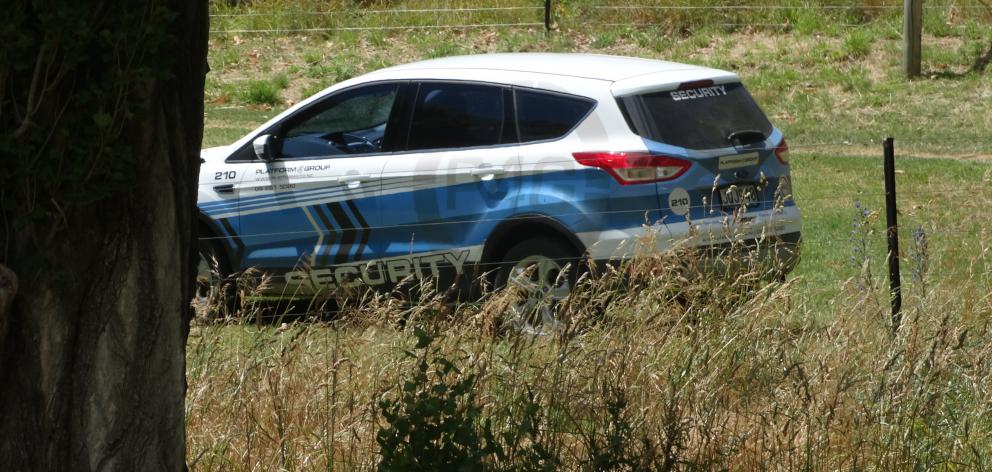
(263, 92)
(857, 44)
(434, 422)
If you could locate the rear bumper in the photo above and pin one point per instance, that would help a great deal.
(773, 256)
(772, 236)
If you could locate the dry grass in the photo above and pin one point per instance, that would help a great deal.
(656, 369)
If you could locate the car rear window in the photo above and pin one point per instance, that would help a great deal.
(542, 116)
(696, 118)
(457, 115)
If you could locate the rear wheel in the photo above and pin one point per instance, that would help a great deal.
(544, 271)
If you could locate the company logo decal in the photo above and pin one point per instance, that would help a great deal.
(382, 271)
(703, 92)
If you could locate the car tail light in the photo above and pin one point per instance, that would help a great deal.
(782, 152)
(635, 167)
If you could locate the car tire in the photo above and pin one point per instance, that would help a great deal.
(535, 266)
(216, 292)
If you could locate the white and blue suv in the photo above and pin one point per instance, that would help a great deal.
(447, 169)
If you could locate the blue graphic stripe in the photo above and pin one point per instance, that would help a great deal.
(258, 200)
(214, 206)
(330, 235)
(439, 218)
(364, 236)
(301, 198)
(349, 236)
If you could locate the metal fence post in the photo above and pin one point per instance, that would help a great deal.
(892, 231)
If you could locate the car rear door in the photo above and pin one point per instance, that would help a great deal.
(456, 179)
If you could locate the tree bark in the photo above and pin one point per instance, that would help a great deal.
(92, 366)
(8, 289)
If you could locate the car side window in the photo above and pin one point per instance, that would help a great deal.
(350, 123)
(542, 116)
(457, 115)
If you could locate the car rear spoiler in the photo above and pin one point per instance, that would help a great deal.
(669, 80)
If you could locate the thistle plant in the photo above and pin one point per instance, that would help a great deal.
(862, 229)
(919, 256)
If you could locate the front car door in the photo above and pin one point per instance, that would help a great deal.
(307, 215)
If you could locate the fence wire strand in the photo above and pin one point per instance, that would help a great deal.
(373, 28)
(807, 6)
(371, 12)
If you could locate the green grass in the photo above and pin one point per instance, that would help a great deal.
(851, 81)
(262, 92)
(950, 201)
(224, 124)
(857, 44)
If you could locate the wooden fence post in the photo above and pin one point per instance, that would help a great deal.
(912, 32)
(547, 15)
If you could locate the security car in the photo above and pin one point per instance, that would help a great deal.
(517, 165)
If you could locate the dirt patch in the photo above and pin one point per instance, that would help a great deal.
(866, 151)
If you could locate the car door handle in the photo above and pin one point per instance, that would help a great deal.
(226, 188)
(487, 173)
(347, 179)
(353, 181)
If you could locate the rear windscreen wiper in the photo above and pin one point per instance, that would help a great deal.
(746, 136)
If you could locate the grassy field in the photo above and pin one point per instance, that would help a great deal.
(815, 72)
(656, 370)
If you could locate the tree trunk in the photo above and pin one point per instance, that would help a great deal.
(92, 367)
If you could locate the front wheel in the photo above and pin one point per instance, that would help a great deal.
(215, 294)
(544, 271)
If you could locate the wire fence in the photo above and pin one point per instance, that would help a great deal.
(282, 19)
(305, 18)
(556, 15)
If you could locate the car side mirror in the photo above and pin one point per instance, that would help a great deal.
(263, 147)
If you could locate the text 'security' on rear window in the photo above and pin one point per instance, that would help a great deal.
(695, 118)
